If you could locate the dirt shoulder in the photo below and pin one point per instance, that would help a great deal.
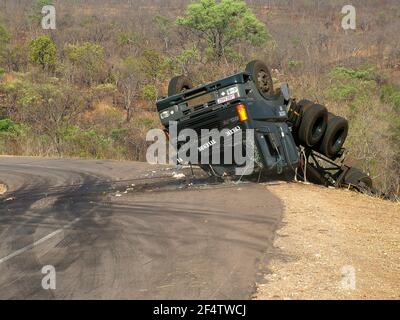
(334, 244)
(3, 188)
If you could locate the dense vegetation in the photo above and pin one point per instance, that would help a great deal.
(88, 88)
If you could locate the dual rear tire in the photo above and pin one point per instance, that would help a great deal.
(335, 136)
(321, 130)
(313, 123)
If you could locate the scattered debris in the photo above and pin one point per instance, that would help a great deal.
(178, 175)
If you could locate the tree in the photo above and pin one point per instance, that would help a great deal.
(128, 81)
(164, 27)
(223, 23)
(4, 38)
(4, 41)
(43, 51)
(15, 57)
(88, 58)
(47, 107)
(153, 65)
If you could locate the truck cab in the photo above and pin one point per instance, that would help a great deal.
(238, 102)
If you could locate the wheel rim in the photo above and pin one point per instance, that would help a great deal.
(185, 88)
(263, 82)
(317, 129)
(338, 139)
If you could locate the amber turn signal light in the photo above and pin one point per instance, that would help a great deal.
(242, 112)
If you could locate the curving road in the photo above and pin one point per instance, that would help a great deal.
(123, 230)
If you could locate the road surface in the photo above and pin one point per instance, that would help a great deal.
(123, 230)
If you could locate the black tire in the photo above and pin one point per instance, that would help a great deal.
(261, 75)
(179, 84)
(296, 113)
(356, 178)
(335, 136)
(313, 124)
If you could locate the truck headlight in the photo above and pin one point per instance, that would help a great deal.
(168, 113)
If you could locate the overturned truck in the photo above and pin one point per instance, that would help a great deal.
(288, 135)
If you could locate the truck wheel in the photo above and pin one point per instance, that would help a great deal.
(358, 179)
(313, 124)
(262, 77)
(335, 136)
(296, 113)
(179, 84)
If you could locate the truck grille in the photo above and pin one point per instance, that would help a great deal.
(209, 120)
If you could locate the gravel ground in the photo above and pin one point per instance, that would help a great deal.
(334, 244)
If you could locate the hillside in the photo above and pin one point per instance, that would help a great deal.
(108, 61)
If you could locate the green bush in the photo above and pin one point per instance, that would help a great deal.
(352, 85)
(118, 133)
(89, 59)
(85, 143)
(149, 93)
(6, 125)
(295, 64)
(43, 52)
(4, 37)
(366, 73)
(391, 94)
(343, 91)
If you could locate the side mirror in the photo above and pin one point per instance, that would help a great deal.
(285, 91)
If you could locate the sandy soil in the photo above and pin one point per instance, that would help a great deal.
(3, 189)
(334, 244)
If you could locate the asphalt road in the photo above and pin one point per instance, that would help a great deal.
(123, 230)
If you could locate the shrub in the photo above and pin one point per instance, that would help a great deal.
(118, 133)
(391, 94)
(43, 52)
(295, 63)
(149, 93)
(88, 58)
(6, 125)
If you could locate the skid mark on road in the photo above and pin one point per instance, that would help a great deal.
(38, 242)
